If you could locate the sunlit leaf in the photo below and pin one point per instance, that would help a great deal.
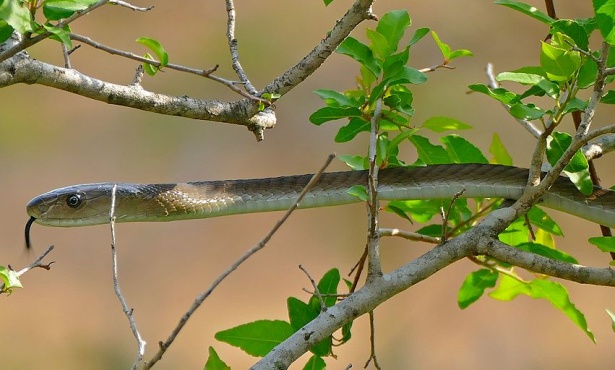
(59, 9)
(429, 153)
(315, 362)
(604, 243)
(546, 252)
(327, 114)
(605, 18)
(257, 338)
(527, 10)
(577, 169)
(499, 152)
(392, 26)
(16, 15)
(156, 48)
(359, 52)
(441, 124)
(461, 150)
(474, 286)
(214, 362)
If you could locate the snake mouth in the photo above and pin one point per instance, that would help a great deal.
(27, 231)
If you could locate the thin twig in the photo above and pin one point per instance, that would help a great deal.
(232, 44)
(374, 267)
(323, 306)
(116, 287)
(372, 343)
(260, 245)
(130, 6)
(207, 73)
(38, 263)
(446, 214)
(435, 67)
(409, 235)
(66, 55)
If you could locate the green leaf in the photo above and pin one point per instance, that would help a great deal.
(327, 2)
(574, 30)
(156, 48)
(429, 153)
(460, 53)
(352, 129)
(527, 10)
(336, 99)
(526, 111)
(519, 77)
(327, 286)
(315, 362)
(379, 44)
(541, 219)
(474, 286)
(444, 48)
(434, 230)
(300, 313)
(499, 152)
(214, 362)
(16, 15)
(398, 211)
(559, 64)
(418, 35)
(462, 151)
(149, 68)
(392, 26)
(546, 252)
(359, 52)
(258, 337)
(530, 79)
(419, 210)
(356, 162)
(558, 296)
(608, 98)
(59, 9)
(10, 279)
(604, 243)
(359, 192)
(441, 124)
(5, 31)
(500, 93)
(605, 18)
(516, 233)
(612, 317)
(327, 114)
(578, 168)
(59, 34)
(555, 293)
(509, 288)
(400, 99)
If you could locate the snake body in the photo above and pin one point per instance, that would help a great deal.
(89, 204)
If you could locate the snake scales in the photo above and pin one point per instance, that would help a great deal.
(89, 204)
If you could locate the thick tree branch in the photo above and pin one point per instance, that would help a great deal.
(30, 71)
(480, 240)
(543, 265)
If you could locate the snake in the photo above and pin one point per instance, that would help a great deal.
(90, 204)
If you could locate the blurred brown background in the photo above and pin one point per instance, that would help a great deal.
(69, 317)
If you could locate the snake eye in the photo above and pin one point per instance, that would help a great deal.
(74, 200)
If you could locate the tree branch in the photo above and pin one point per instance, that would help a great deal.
(358, 12)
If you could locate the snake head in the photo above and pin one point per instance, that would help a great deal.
(78, 205)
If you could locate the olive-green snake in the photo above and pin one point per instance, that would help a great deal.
(89, 204)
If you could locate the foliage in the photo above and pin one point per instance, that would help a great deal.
(567, 66)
